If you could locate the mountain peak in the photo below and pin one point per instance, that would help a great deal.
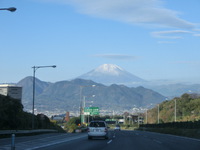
(111, 74)
(109, 69)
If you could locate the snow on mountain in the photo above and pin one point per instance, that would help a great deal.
(112, 74)
(109, 69)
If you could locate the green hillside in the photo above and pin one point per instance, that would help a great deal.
(187, 109)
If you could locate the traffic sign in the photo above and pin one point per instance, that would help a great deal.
(91, 110)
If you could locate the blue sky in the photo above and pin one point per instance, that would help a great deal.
(152, 39)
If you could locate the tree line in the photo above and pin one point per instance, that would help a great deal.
(12, 117)
(180, 109)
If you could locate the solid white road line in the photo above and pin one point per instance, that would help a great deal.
(159, 142)
(109, 142)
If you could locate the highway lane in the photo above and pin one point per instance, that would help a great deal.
(126, 140)
(140, 140)
(132, 140)
(80, 144)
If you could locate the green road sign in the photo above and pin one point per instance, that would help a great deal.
(91, 110)
(111, 120)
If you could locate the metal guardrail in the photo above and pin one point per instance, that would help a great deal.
(183, 125)
(5, 132)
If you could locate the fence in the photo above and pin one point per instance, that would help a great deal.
(183, 125)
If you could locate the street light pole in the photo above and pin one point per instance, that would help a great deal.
(34, 70)
(84, 106)
(11, 9)
(81, 105)
(175, 110)
(146, 116)
(158, 113)
(82, 117)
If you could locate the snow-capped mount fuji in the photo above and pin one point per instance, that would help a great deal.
(112, 74)
(109, 69)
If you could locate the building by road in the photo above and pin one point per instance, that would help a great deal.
(11, 90)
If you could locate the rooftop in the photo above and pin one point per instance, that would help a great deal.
(8, 85)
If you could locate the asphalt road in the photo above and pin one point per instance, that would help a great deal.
(118, 140)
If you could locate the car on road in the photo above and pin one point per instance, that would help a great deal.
(117, 128)
(97, 129)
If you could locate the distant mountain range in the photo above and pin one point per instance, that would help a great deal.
(116, 89)
(112, 74)
(65, 95)
(176, 89)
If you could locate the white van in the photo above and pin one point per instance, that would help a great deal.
(97, 129)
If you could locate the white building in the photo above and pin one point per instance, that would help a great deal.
(11, 90)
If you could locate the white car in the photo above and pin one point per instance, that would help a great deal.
(97, 129)
(117, 128)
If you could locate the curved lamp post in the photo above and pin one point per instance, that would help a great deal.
(84, 103)
(11, 9)
(34, 70)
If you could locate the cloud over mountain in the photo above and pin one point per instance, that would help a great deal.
(116, 56)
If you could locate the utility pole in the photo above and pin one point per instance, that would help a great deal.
(175, 110)
(147, 116)
(158, 113)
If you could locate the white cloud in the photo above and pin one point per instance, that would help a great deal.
(197, 35)
(116, 56)
(187, 62)
(166, 42)
(172, 34)
(131, 11)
